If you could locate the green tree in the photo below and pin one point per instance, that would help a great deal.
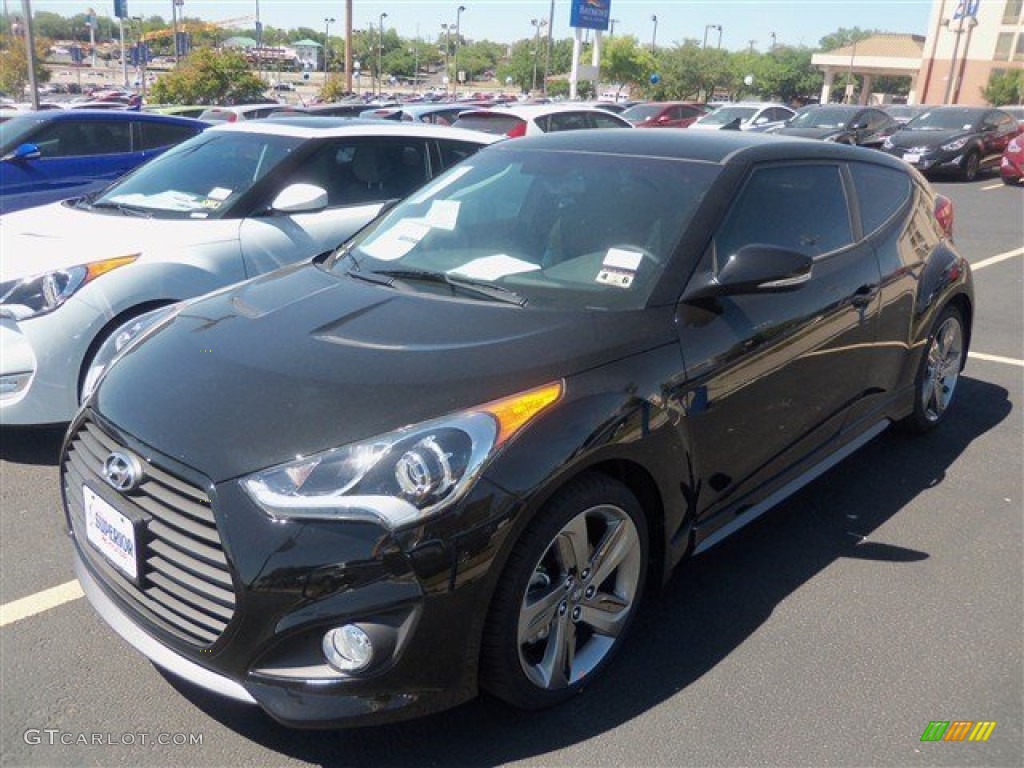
(1005, 88)
(14, 64)
(843, 36)
(209, 77)
(518, 66)
(625, 62)
(788, 75)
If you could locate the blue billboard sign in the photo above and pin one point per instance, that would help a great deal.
(591, 14)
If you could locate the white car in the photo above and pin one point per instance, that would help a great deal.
(755, 116)
(531, 119)
(236, 201)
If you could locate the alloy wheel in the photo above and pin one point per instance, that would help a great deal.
(581, 593)
(945, 356)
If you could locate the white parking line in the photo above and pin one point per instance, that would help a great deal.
(1000, 185)
(995, 359)
(16, 610)
(996, 259)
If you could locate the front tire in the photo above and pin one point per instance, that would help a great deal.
(937, 376)
(971, 165)
(567, 595)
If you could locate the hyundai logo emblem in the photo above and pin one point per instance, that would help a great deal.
(122, 471)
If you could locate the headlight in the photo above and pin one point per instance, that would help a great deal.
(887, 144)
(954, 145)
(402, 476)
(40, 294)
(121, 340)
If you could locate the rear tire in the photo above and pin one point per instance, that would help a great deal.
(567, 595)
(938, 373)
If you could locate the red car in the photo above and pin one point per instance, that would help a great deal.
(664, 114)
(1011, 167)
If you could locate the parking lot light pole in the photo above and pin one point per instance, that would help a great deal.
(446, 28)
(538, 24)
(654, 34)
(455, 83)
(327, 44)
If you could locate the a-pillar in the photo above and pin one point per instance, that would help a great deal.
(826, 88)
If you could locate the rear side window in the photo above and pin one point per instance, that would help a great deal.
(488, 123)
(799, 207)
(157, 135)
(881, 192)
(453, 152)
(606, 121)
(565, 121)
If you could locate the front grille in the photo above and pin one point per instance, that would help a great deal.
(184, 583)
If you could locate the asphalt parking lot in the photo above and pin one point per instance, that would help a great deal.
(885, 595)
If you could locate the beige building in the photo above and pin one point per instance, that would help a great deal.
(966, 42)
(961, 54)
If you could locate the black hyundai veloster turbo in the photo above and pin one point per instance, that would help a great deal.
(452, 454)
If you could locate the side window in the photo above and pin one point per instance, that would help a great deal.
(70, 138)
(799, 207)
(881, 192)
(361, 171)
(602, 120)
(156, 135)
(568, 121)
(453, 152)
(689, 112)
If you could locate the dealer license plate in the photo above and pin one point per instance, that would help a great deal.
(111, 533)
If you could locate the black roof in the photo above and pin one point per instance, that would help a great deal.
(708, 146)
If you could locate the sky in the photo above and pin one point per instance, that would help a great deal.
(794, 22)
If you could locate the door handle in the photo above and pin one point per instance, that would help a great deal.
(863, 295)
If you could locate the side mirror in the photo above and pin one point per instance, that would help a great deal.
(300, 198)
(756, 268)
(24, 152)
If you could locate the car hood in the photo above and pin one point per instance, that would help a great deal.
(811, 133)
(58, 236)
(905, 138)
(302, 360)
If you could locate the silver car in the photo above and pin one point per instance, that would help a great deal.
(237, 201)
(754, 116)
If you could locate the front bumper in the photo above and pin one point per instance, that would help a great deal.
(40, 359)
(931, 160)
(292, 582)
(1012, 169)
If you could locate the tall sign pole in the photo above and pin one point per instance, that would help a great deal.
(588, 14)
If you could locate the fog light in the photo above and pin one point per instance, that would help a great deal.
(13, 384)
(348, 648)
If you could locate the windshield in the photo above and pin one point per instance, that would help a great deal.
(724, 115)
(202, 177)
(821, 117)
(557, 228)
(14, 131)
(945, 120)
(642, 112)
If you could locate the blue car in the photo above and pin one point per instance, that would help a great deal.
(57, 154)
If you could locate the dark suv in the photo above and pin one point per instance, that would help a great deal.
(961, 140)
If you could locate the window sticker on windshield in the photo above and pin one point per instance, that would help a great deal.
(443, 214)
(397, 241)
(494, 267)
(219, 193)
(619, 258)
(621, 278)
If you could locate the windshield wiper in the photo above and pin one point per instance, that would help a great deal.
(128, 210)
(479, 287)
